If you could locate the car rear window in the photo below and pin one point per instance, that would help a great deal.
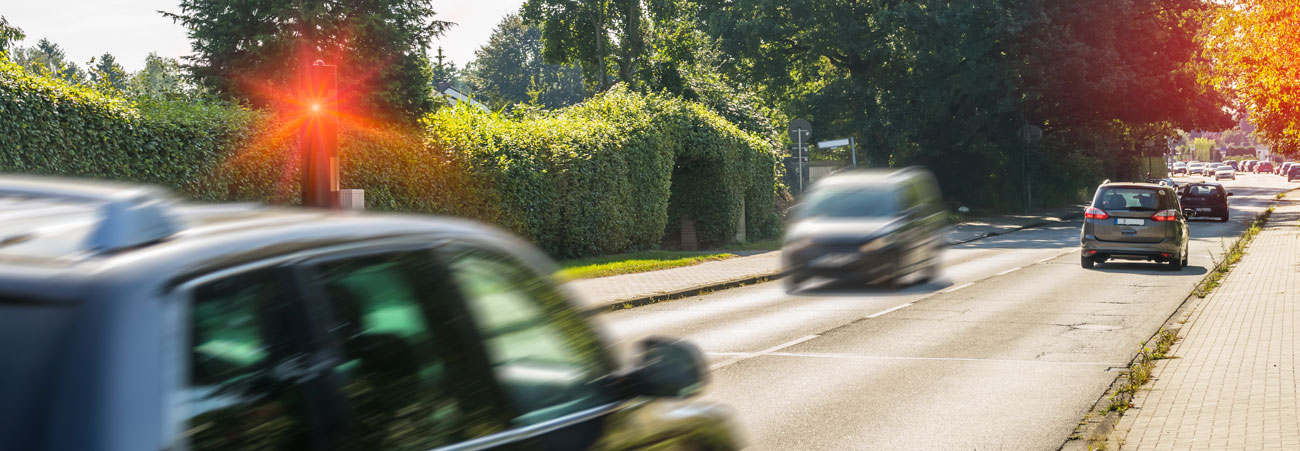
(1132, 199)
(34, 337)
(1203, 190)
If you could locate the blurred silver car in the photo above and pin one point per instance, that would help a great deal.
(1135, 221)
(870, 226)
(1225, 172)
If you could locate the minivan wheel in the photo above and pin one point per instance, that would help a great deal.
(1176, 264)
(1087, 262)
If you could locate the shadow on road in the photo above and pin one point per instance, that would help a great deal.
(1154, 269)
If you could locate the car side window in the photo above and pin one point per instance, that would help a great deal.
(403, 366)
(543, 353)
(240, 394)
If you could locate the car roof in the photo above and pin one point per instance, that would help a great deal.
(1134, 185)
(869, 177)
(72, 229)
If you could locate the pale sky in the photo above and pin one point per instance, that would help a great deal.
(130, 29)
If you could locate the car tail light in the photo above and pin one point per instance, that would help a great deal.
(1095, 213)
(1165, 215)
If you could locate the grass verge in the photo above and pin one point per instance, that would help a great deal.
(635, 262)
(761, 245)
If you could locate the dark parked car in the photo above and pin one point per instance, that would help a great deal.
(1236, 165)
(1206, 199)
(1249, 165)
(1293, 173)
(1264, 167)
(1134, 221)
(869, 226)
(132, 322)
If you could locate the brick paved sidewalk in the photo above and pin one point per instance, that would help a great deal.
(1233, 383)
(599, 293)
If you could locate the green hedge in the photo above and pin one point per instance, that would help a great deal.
(616, 172)
(610, 175)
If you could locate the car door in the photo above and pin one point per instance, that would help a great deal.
(403, 373)
(545, 357)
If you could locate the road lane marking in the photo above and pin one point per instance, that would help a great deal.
(892, 309)
(942, 359)
(1009, 271)
(740, 356)
(958, 287)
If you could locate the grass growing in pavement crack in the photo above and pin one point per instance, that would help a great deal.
(1232, 255)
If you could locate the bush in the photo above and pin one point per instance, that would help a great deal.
(610, 175)
(615, 173)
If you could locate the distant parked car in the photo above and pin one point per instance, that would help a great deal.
(1234, 163)
(1196, 168)
(1206, 199)
(1282, 170)
(1225, 172)
(1179, 168)
(1293, 173)
(1264, 167)
(1134, 221)
(1249, 165)
(870, 226)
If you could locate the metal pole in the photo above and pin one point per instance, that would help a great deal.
(798, 157)
(853, 152)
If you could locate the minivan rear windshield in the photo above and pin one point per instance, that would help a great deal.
(1132, 199)
(849, 202)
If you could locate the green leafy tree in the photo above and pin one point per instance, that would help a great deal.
(47, 58)
(9, 34)
(253, 50)
(160, 79)
(510, 69)
(601, 36)
(106, 74)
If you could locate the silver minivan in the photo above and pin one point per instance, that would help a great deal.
(1135, 221)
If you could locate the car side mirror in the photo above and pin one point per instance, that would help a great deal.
(1189, 212)
(669, 368)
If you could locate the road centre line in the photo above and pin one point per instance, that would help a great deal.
(749, 355)
(891, 309)
(940, 359)
(1009, 271)
(958, 287)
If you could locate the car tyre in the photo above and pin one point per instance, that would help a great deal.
(792, 282)
(1186, 251)
(1176, 264)
(1086, 262)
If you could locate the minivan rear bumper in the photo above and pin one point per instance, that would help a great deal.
(1092, 247)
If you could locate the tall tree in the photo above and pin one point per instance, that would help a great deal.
(47, 58)
(9, 34)
(601, 36)
(510, 69)
(254, 49)
(107, 74)
(1255, 52)
(160, 79)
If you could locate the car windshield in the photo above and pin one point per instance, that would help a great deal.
(1129, 199)
(849, 202)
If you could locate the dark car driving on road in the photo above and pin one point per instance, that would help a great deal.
(129, 321)
(1134, 221)
(1207, 199)
(870, 226)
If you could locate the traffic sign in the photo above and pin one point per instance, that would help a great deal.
(800, 130)
(833, 143)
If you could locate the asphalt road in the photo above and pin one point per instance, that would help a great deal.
(1007, 350)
